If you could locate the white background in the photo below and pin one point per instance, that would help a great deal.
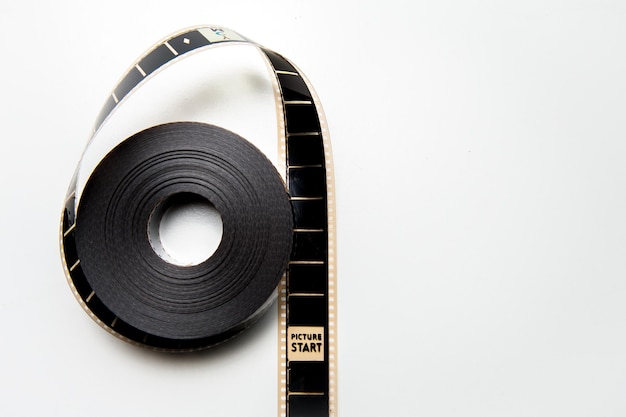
(480, 165)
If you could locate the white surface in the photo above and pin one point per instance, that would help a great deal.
(186, 230)
(479, 149)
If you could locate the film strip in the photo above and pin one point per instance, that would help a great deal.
(307, 293)
(307, 303)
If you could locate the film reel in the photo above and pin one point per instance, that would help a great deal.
(275, 233)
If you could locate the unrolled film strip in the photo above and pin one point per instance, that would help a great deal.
(307, 294)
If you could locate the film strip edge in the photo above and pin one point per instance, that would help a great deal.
(331, 221)
(282, 285)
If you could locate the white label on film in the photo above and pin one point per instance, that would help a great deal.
(305, 343)
(218, 34)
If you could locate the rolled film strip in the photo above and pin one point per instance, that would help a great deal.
(307, 289)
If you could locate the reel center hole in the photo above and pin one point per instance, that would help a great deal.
(185, 229)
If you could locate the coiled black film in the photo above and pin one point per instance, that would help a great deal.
(275, 234)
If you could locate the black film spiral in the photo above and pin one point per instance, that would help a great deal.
(156, 302)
